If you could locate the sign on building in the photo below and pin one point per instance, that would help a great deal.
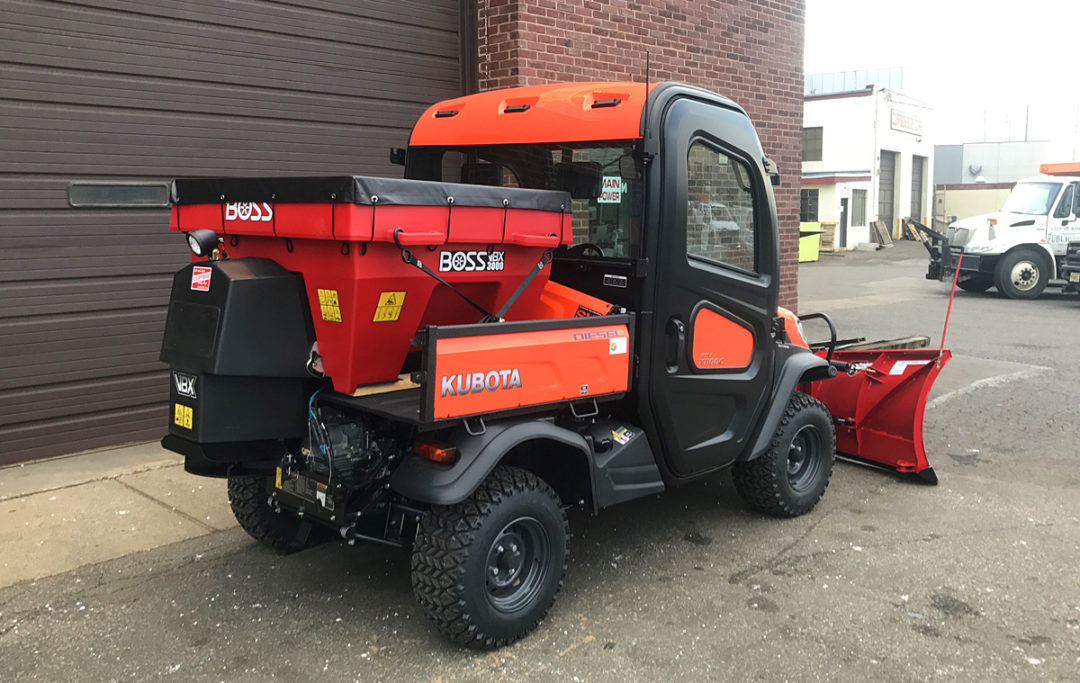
(906, 122)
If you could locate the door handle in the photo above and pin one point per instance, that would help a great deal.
(676, 332)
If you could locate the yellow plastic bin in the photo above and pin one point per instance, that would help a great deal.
(809, 244)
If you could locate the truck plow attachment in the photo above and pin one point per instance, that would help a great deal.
(878, 405)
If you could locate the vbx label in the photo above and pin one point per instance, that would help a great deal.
(200, 278)
(185, 384)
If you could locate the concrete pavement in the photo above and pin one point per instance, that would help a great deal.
(68, 512)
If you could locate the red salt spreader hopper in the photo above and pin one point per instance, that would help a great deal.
(373, 252)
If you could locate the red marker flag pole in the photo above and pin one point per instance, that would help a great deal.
(956, 274)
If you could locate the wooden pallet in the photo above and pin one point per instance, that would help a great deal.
(914, 233)
(880, 234)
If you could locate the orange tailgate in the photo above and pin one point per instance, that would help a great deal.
(478, 369)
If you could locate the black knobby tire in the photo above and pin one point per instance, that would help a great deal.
(281, 531)
(1022, 274)
(515, 524)
(789, 479)
(975, 284)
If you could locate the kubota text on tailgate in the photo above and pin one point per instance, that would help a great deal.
(475, 382)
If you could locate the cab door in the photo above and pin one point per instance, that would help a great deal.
(1064, 222)
(710, 368)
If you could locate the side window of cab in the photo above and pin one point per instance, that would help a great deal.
(1065, 205)
(720, 209)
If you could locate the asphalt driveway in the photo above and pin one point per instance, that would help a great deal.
(974, 579)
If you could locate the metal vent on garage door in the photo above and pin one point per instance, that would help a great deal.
(141, 92)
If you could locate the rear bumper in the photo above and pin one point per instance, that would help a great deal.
(225, 459)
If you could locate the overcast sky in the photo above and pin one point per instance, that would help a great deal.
(971, 60)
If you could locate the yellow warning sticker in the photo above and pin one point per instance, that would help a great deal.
(389, 308)
(330, 306)
(183, 415)
(277, 479)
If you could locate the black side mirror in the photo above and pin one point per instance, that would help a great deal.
(773, 170)
(628, 167)
(582, 179)
(397, 156)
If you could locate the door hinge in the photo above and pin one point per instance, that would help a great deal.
(779, 330)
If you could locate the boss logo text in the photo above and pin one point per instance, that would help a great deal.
(260, 212)
(468, 261)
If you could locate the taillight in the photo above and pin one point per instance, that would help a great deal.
(436, 452)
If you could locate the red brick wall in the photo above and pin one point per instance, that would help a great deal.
(749, 50)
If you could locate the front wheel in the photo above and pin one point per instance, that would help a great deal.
(789, 479)
(1022, 274)
(487, 570)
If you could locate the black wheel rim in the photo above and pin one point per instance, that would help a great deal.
(517, 564)
(804, 461)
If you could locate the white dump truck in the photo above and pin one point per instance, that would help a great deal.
(1020, 248)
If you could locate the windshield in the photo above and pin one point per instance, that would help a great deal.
(1031, 198)
(610, 221)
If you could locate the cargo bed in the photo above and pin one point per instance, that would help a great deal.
(498, 370)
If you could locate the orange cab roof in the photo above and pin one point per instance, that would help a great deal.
(1066, 168)
(557, 112)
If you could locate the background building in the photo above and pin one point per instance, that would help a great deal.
(119, 92)
(867, 156)
(975, 177)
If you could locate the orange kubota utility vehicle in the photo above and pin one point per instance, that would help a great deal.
(571, 298)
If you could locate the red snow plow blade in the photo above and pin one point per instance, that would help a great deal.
(878, 406)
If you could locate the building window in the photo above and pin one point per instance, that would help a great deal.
(808, 200)
(811, 144)
(858, 207)
(719, 209)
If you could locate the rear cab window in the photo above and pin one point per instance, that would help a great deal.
(604, 180)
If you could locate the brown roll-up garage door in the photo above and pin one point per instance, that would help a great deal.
(128, 90)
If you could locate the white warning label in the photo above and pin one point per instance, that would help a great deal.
(611, 190)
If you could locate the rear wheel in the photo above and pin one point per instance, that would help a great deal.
(789, 479)
(248, 498)
(1022, 274)
(487, 570)
(979, 283)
